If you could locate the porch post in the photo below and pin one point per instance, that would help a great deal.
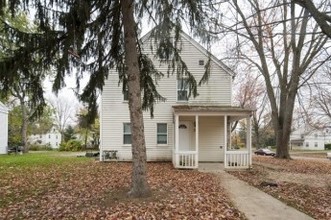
(225, 140)
(229, 134)
(249, 140)
(197, 140)
(176, 140)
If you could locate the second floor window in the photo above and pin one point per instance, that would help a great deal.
(126, 133)
(182, 89)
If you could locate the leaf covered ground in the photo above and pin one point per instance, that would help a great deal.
(85, 189)
(302, 183)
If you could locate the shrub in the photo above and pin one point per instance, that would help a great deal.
(71, 145)
(40, 147)
(327, 146)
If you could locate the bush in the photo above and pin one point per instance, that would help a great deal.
(327, 146)
(71, 145)
(42, 147)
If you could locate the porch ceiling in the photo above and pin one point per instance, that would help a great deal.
(212, 110)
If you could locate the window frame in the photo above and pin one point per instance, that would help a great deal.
(166, 134)
(127, 133)
(126, 94)
(181, 89)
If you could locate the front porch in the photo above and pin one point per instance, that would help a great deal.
(202, 134)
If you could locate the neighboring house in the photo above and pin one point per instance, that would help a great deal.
(308, 138)
(51, 138)
(184, 131)
(3, 129)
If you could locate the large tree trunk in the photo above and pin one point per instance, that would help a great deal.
(140, 187)
(24, 127)
(282, 140)
(283, 122)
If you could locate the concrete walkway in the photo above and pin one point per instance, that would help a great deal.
(254, 203)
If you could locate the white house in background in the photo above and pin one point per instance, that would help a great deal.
(3, 129)
(308, 138)
(184, 131)
(52, 137)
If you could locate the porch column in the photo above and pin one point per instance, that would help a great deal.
(176, 140)
(197, 140)
(249, 140)
(229, 134)
(225, 139)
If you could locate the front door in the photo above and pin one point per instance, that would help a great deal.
(184, 136)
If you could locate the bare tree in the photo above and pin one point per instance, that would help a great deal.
(281, 41)
(315, 100)
(320, 16)
(64, 111)
(251, 94)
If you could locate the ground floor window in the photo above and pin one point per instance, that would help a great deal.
(126, 133)
(162, 133)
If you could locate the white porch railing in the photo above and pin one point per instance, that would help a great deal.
(237, 160)
(186, 160)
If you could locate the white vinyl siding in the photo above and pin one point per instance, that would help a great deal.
(115, 112)
(3, 129)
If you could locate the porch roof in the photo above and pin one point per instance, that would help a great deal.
(212, 109)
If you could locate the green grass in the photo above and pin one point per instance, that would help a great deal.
(36, 159)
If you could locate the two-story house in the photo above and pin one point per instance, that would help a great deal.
(184, 130)
(309, 138)
(52, 138)
(3, 129)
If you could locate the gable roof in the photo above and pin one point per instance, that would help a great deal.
(3, 108)
(200, 48)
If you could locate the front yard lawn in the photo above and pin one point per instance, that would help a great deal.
(47, 186)
(302, 183)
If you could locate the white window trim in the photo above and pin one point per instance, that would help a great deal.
(167, 144)
(126, 145)
(180, 101)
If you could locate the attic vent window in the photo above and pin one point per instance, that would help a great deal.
(201, 62)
